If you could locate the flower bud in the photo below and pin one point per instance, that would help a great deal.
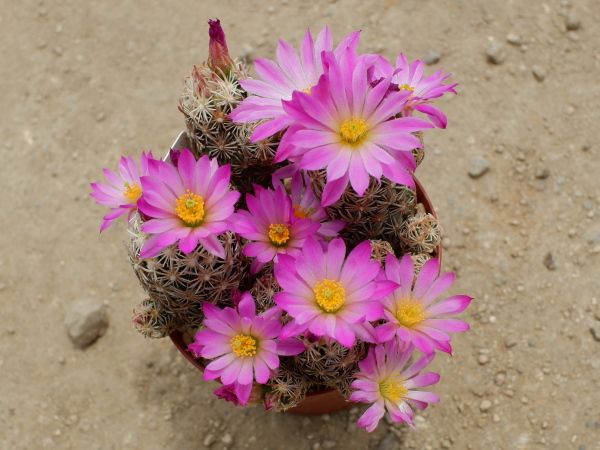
(218, 55)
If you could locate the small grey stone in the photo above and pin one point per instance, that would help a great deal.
(513, 39)
(495, 53)
(328, 444)
(539, 73)
(478, 166)
(389, 442)
(572, 22)
(510, 342)
(595, 330)
(542, 173)
(86, 321)
(593, 236)
(483, 359)
(549, 261)
(432, 57)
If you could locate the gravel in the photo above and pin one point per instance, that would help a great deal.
(495, 53)
(595, 330)
(86, 321)
(549, 261)
(389, 442)
(539, 73)
(485, 405)
(432, 57)
(572, 22)
(478, 166)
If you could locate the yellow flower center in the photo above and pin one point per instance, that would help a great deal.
(244, 345)
(330, 295)
(279, 234)
(410, 312)
(406, 87)
(308, 90)
(302, 213)
(132, 192)
(392, 389)
(354, 131)
(190, 209)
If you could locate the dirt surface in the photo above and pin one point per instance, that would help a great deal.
(83, 82)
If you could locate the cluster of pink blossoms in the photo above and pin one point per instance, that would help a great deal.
(355, 116)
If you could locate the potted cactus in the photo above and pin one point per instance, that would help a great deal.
(284, 244)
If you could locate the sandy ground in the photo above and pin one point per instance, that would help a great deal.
(83, 82)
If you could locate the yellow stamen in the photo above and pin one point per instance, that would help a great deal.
(330, 295)
(406, 87)
(132, 192)
(308, 90)
(354, 131)
(410, 312)
(279, 233)
(190, 209)
(302, 213)
(244, 345)
(393, 389)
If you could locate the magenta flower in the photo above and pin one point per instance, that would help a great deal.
(306, 205)
(242, 346)
(122, 192)
(330, 294)
(189, 204)
(278, 80)
(271, 225)
(388, 381)
(347, 126)
(413, 314)
(408, 77)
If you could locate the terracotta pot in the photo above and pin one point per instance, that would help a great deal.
(322, 402)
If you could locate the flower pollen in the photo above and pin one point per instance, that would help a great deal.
(132, 192)
(354, 131)
(302, 213)
(393, 390)
(330, 295)
(409, 313)
(244, 345)
(406, 87)
(279, 234)
(190, 209)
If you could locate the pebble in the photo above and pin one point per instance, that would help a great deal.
(513, 39)
(483, 359)
(329, 444)
(432, 57)
(209, 439)
(542, 174)
(595, 330)
(549, 261)
(485, 405)
(572, 22)
(478, 166)
(227, 439)
(495, 53)
(389, 442)
(510, 342)
(86, 321)
(539, 73)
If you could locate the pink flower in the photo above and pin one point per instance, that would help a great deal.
(122, 192)
(271, 225)
(242, 346)
(278, 80)
(347, 126)
(408, 77)
(188, 204)
(330, 294)
(306, 205)
(413, 314)
(388, 381)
